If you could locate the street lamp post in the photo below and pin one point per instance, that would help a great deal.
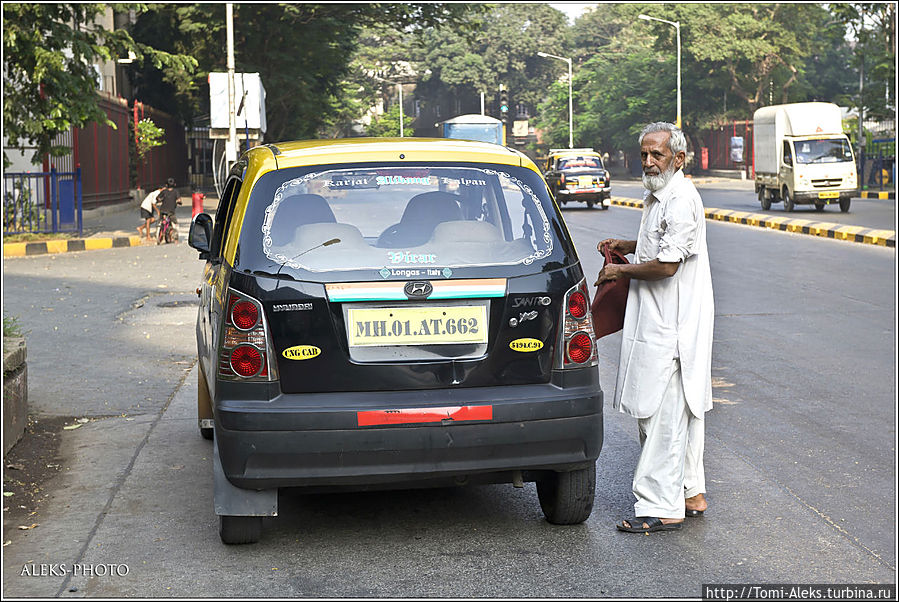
(676, 25)
(570, 102)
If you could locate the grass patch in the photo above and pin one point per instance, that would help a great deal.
(33, 237)
(11, 326)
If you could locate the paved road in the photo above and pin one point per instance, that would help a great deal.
(739, 195)
(800, 450)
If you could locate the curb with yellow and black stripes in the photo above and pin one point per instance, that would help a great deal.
(21, 249)
(883, 195)
(884, 238)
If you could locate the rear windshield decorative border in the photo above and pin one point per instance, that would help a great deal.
(289, 262)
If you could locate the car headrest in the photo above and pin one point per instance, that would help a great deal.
(298, 210)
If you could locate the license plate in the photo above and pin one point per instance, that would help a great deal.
(431, 325)
(829, 195)
(585, 181)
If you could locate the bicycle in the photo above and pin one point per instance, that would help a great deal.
(167, 231)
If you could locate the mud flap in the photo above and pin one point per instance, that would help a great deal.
(234, 501)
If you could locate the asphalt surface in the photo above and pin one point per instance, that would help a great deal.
(800, 452)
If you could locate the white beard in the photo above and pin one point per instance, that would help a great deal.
(656, 183)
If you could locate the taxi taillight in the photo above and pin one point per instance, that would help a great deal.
(577, 341)
(245, 350)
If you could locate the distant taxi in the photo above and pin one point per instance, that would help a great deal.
(392, 313)
(578, 174)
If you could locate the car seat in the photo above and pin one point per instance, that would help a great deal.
(422, 214)
(299, 210)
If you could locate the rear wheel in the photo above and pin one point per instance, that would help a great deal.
(844, 204)
(567, 497)
(590, 203)
(764, 198)
(788, 201)
(240, 529)
(819, 206)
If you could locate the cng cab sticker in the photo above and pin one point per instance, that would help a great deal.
(301, 352)
(526, 345)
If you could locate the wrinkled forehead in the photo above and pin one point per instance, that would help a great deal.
(656, 141)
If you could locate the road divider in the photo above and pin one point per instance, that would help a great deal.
(859, 234)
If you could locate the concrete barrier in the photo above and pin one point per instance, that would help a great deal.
(15, 391)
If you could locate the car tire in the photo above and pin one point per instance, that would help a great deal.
(844, 205)
(764, 198)
(235, 530)
(590, 203)
(819, 206)
(567, 497)
(788, 201)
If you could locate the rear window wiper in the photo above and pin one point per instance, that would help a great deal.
(279, 275)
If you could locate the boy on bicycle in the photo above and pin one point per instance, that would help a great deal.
(167, 199)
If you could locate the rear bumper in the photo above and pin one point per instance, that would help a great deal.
(315, 440)
(582, 193)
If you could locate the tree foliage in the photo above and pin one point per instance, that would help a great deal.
(388, 124)
(735, 58)
(303, 53)
(49, 78)
(503, 50)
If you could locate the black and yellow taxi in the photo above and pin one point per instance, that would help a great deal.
(578, 174)
(393, 313)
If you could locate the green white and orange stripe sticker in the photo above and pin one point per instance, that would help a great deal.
(347, 292)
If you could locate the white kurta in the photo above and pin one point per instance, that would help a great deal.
(672, 317)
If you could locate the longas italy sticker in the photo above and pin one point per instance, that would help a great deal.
(526, 345)
(301, 352)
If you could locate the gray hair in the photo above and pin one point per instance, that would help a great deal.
(676, 142)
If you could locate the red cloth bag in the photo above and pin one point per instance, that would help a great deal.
(610, 300)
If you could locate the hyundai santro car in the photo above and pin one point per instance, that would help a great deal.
(392, 313)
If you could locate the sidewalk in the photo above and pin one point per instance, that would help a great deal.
(109, 227)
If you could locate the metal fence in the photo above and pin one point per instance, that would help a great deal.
(43, 202)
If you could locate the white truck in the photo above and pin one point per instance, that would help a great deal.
(802, 156)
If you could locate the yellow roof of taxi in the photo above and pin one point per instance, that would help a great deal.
(365, 150)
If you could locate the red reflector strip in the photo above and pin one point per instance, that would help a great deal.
(418, 415)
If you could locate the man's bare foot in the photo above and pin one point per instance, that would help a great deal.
(697, 503)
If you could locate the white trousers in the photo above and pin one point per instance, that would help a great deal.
(670, 465)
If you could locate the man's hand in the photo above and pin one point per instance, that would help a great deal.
(624, 247)
(609, 272)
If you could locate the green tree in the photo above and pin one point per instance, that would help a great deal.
(872, 28)
(302, 51)
(388, 124)
(49, 79)
(735, 58)
(501, 50)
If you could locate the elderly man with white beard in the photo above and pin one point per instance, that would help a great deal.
(664, 372)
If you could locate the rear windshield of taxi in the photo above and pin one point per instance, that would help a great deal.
(401, 221)
(587, 162)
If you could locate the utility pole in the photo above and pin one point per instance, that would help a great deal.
(231, 146)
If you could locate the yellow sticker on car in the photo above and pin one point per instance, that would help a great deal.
(526, 345)
(431, 325)
(301, 352)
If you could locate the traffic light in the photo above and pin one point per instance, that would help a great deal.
(503, 102)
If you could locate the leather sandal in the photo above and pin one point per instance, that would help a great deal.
(652, 524)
